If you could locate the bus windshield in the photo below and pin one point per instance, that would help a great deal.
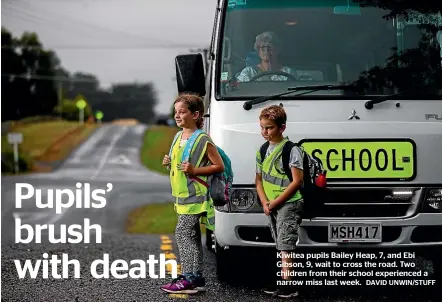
(268, 46)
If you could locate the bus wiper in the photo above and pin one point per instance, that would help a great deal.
(413, 91)
(369, 104)
(312, 88)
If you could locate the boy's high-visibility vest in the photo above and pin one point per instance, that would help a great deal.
(191, 196)
(274, 181)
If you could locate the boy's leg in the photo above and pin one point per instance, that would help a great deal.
(185, 237)
(272, 225)
(287, 226)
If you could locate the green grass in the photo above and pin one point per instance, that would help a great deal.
(48, 141)
(156, 144)
(38, 137)
(158, 218)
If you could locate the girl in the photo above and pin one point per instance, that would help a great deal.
(192, 201)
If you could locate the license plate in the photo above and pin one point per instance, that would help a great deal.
(365, 159)
(354, 232)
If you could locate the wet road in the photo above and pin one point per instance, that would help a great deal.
(111, 156)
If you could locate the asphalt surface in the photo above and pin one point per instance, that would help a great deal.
(111, 155)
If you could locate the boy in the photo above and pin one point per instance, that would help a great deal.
(281, 200)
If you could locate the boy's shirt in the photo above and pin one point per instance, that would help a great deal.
(294, 162)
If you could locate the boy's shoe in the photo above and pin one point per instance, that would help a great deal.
(286, 292)
(270, 290)
(179, 285)
(200, 283)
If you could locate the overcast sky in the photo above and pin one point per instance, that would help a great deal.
(117, 40)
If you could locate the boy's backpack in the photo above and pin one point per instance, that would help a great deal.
(313, 195)
(219, 185)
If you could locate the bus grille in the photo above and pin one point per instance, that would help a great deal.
(371, 202)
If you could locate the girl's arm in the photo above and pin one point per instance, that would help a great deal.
(217, 165)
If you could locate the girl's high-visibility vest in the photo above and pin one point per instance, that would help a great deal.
(191, 196)
(274, 181)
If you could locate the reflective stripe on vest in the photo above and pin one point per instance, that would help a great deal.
(274, 181)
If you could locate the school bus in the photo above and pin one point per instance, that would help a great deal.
(361, 85)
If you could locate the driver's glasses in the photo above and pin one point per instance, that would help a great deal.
(265, 47)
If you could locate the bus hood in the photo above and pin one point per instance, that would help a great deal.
(397, 145)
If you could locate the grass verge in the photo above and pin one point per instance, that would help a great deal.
(156, 144)
(49, 141)
(158, 218)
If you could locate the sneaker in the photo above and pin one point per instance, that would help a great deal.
(179, 285)
(285, 292)
(200, 283)
(270, 290)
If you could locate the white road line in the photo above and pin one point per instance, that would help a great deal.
(89, 144)
(108, 151)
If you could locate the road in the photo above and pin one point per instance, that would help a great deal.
(109, 156)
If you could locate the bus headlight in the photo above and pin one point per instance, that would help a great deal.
(433, 198)
(242, 199)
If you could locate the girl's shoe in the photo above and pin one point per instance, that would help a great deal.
(179, 285)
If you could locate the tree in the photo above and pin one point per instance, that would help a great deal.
(34, 83)
(418, 68)
(27, 88)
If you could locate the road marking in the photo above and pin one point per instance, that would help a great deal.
(181, 296)
(108, 151)
(170, 255)
(88, 145)
(120, 159)
(166, 247)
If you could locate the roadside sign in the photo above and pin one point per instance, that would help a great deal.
(99, 115)
(15, 138)
(81, 104)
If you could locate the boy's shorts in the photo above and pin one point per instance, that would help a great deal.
(284, 224)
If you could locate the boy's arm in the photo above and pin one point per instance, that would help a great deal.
(298, 176)
(258, 181)
(260, 190)
(296, 166)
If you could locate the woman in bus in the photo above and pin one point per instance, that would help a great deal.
(267, 46)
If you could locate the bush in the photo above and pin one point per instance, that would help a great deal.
(25, 162)
(70, 112)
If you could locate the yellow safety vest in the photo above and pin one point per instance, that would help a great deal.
(274, 181)
(191, 196)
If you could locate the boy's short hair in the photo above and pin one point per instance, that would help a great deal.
(275, 113)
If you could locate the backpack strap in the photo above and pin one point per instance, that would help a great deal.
(189, 144)
(263, 150)
(286, 150)
(174, 141)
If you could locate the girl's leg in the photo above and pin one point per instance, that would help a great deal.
(187, 241)
(185, 236)
(198, 255)
(199, 280)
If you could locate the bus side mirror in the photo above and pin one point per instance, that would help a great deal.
(190, 74)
